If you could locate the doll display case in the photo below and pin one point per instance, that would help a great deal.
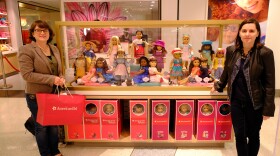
(70, 44)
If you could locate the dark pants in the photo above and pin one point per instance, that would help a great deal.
(247, 125)
(46, 136)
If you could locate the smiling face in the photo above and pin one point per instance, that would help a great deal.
(177, 55)
(160, 108)
(139, 35)
(114, 41)
(153, 63)
(248, 34)
(143, 63)
(41, 34)
(99, 64)
(159, 48)
(253, 6)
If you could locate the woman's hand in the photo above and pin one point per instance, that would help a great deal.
(265, 117)
(59, 81)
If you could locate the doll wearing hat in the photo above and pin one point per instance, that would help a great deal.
(159, 52)
(176, 65)
(218, 63)
(187, 50)
(206, 51)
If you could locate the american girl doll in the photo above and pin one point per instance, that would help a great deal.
(102, 70)
(176, 65)
(159, 53)
(194, 70)
(160, 109)
(155, 76)
(138, 109)
(206, 51)
(218, 63)
(139, 46)
(143, 73)
(120, 66)
(88, 52)
(184, 109)
(90, 74)
(114, 45)
(80, 65)
(187, 50)
(108, 109)
(204, 71)
(207, 109)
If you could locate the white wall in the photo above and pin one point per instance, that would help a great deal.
(272, 35)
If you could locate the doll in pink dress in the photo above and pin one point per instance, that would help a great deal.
(114, 45)
(90, 74)
(159, 53)
(155, 75)
(120, 66)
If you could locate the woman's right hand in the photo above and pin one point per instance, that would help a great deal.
(59, 81)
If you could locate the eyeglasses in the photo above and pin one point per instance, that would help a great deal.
(41, 30)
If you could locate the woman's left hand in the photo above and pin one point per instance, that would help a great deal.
(265, 117)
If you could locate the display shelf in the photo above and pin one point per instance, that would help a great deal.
(199, 91)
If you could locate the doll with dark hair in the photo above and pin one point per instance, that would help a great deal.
(204, 71)
(159, 52)
(139, 46)
(143, 74)
(206, 51)
(102, 70)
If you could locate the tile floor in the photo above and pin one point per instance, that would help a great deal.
(15, 141)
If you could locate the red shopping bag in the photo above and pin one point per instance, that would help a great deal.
(54, 109)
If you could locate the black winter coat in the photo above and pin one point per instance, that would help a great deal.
(260, 78)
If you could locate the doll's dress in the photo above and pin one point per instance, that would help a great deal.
(192, 78)
(153, 76)
(207, 54)
(139, 49)
(107, 76)
(89, 75)
(80, 66)
(121, 65)
(218, 66)
(139, 78)
(187, 54)
(113, 54)
(160, 59)
(177, 68)
(204, 72)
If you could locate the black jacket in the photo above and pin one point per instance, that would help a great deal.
(260, 78)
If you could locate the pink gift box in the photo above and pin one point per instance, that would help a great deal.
(160, 119)
(184, 119)
(92, 120)
(223, 121)
(138, 120)
(110, 119)
(206, 112)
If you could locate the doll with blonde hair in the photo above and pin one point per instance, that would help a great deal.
(218, 63)
(187, 50)
(176, 65)
(114, 45)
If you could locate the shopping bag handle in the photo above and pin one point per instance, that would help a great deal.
(66, 90)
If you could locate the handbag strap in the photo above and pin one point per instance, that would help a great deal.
(65, 88)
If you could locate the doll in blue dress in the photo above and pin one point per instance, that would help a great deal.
(176, 66)
(102, 70)
(207, 52)
(143, 74)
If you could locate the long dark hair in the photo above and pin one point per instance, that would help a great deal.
(257, 43)
(43, 25)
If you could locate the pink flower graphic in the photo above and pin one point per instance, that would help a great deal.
(93, 11)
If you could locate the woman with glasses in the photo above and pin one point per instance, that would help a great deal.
(40, 66)
(249, 74)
